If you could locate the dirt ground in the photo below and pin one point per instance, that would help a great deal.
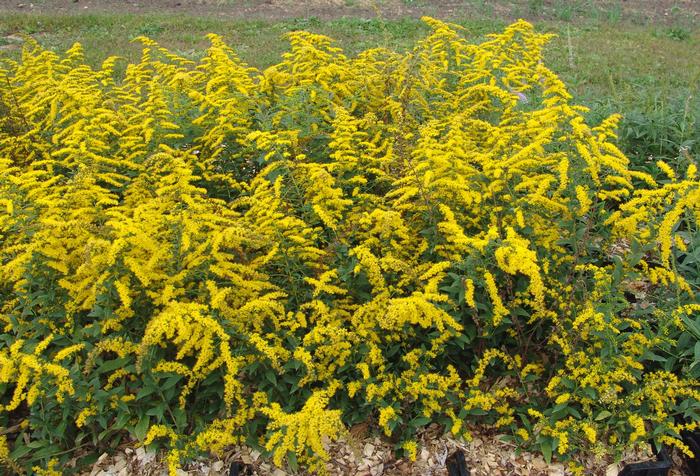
(646, 11)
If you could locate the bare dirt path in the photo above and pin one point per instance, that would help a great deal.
(637, 11)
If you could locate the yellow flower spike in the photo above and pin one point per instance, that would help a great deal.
(690, 174)
(665, 168)
(386, 415)
(50, 470)
(583, 200)
(411, 449)
(469, 293)
(84, 415)
(563, 398)
(499, 310)
(637, 424)
(590, 432)
(304, 429)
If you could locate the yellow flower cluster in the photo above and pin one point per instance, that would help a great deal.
(205, 254)
(303, 431)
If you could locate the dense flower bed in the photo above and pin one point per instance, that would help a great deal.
(201, 254)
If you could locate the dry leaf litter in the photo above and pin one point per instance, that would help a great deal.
(363, 455)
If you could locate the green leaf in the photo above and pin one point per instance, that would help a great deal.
(590, 393)
(617, 270)
(61, 429)
(121, 421)
(89, 459)
(180, 417)
(110, 365)
(603, 415)
(292, 460)
(648, 355)
(146, 391)
(20, 451)
(692, 326)
(271, 377)
(46, 452)
(546, 448)
(420, 421)
(141, 428)
(171, 381)
(157, 411)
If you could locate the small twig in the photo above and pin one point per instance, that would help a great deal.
(17, 105)
(71, 450)
(12, 429)
(570, 47)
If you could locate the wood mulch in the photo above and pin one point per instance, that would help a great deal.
(365, 455)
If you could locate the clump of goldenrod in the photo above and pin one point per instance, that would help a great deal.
(200, 254)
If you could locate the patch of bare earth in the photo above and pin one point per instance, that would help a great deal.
(652, 11)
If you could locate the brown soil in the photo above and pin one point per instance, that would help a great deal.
(686, 12)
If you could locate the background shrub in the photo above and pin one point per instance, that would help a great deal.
(204, 254)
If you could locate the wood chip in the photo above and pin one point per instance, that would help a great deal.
(612, 470)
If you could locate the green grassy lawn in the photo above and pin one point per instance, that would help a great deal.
(648, 72)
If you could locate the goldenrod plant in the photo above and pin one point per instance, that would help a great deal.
(199, 254)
